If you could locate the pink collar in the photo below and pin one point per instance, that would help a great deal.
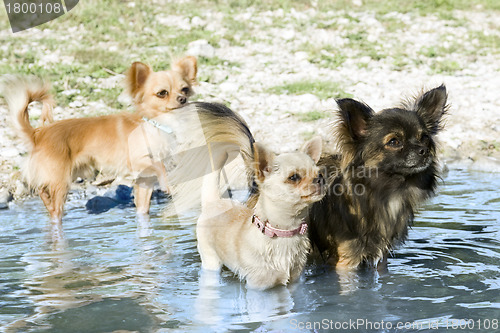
(270, 231)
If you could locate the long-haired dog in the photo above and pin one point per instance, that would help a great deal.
(266, 245)
(59, 151)
(386, 169)
(154, 93)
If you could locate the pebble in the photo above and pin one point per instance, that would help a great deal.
(5, 198)
(10, 152)
(298, 48)
(20, 189)
(201, 48)
(75, 104)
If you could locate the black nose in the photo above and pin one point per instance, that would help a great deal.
(320, 179)
(182, 99)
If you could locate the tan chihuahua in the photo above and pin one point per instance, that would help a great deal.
(59, 151)
(266, 246)
(154, 93)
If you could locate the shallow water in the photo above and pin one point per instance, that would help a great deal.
(108, 272)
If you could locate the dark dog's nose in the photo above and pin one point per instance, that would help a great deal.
(182, 99)
(423, 151)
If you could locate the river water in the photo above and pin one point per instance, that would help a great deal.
(109, 272)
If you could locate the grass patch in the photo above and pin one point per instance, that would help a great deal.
(445, 67)
(328, 60)
(429, 52)
(322, 89)
(486, 42)
(99, 59)
(310, 116)
(308, 135)
(325, 56)
(358, 41)
(216, 61)
(421, 7)
(391, 24)
(109, 34)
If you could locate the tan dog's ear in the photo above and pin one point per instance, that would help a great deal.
(188, 67)
(263, 160)
(136, 76)
(313, 148)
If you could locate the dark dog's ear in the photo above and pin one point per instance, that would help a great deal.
(188, 67)
(431, 106)
(136, 77)
(263, 161)
(354, 117)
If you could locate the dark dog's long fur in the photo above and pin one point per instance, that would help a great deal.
(386, 169)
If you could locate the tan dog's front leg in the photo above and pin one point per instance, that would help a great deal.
(142, 198)
(53, 198)
(161, 174)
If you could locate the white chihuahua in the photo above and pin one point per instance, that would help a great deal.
(268, 245)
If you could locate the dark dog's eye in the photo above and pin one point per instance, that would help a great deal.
(295, 178)
(185, 90)
(394, 142)
(424, 138)
(162, 94)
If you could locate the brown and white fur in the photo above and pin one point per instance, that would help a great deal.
(59, 151)
(288, 184)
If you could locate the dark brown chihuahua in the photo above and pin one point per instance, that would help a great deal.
(386, 168)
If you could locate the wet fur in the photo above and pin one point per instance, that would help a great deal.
(224, 230)
(350, 227)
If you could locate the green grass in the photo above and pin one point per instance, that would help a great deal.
(308, 135)
(323, 55)
(429, 51)
(108, 35)
(421, 7)
(358, 41)
(322, 89)
(311, 116)
(445, 67)
(486, 43)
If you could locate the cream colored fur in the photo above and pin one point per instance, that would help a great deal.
(226, 235)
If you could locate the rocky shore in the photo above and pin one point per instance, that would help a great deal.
(378, 63)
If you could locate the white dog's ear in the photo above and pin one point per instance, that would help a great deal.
(263, 160)
(188, 68)
(313, 148)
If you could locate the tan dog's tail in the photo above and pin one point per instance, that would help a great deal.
(226, 136)
(19, 92)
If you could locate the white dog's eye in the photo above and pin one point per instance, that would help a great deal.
(185, 90)
(162, 94)
(295, 178)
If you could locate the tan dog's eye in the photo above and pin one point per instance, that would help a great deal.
(185, 90)
(295, 178)
(162, 94)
